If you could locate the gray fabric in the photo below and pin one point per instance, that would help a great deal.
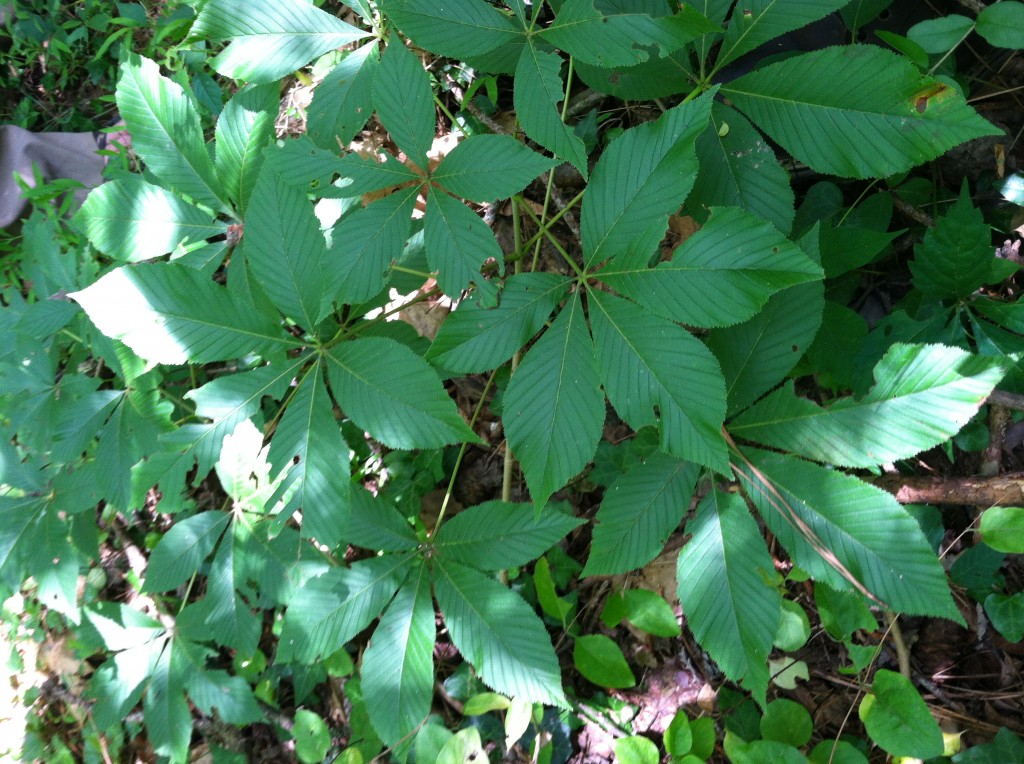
(58, 155)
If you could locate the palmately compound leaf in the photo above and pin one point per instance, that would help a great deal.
(398, 666)
(476, 338)
(309, 450)
(538, 90)
(754, 23)
(328, 610)
(285, 249)
(169, 313)
(639, 512)
(488, 167)
(166, 133)
(458, 243)
(244, 129)
(856, 111)
(554, 407)
(642, 178)
(497, 535)
(814, 511)
(721, 275)
(620, 37)
(739, 169)
(459, 29)
(271, 38)
(404, 101)
(131, 220)
(956, 256)
(725, 587)
(338, 110)
(657, 373)
(923, 394)
(394, 395)
(498, 633)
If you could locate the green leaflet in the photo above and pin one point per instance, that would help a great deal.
(166, 134)
(376, 524)
(230, 695)
(285, 249)
(404, 101)
(754, 23)
(458, 243)
(654, 78)
(303, 165)
(656, 372)
(164, 707)
(601, 661)
(923, 395)
(182, 549)
(721, 275)
(394, 395)
(897, 718)
(614, 38)
(476, 338)
(758, 353)
(309, 433)
(498, 535)
(270, 40)
(725, 587)
(132, 432)
(229, 620)
(243, 470)
(498, 633)
(554, 408)
(330, 609)
(458, 29)
(168, 313)
(398, 666)
(131, 220)
(365, 243)
(942, 34)
(739, 169)
(639, 512)
(856, 111)
(244, 128)
(362, 176)
(955, 257)
(228, 401)
(338, 110)
(640, 179)
(537, 93)
(1000, 24)
(856, 523)
(488, 167)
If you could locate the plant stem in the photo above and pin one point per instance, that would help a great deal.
(462, 453)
